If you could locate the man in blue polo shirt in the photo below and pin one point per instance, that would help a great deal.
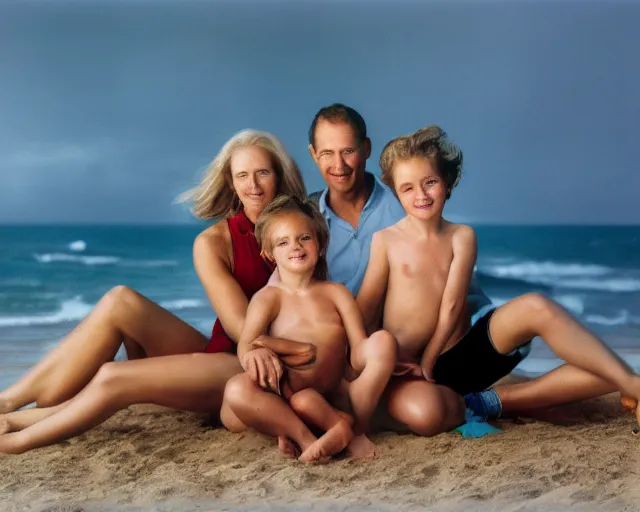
(356, 203)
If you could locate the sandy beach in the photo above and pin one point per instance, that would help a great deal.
(582, 457)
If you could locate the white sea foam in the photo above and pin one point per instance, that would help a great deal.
(178, 304)
(614, 284)
(78, 246)
(70, 310)
(573, 303)
(72, 258)
(101, 260)
(149, 263)
(565, 275)
(545, 269)
(622, 317)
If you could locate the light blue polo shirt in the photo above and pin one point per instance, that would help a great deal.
(349, 248)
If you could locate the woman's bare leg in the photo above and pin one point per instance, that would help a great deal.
(193, 382)
(265, 412)
(313, 409)
(122, 315)
(18, 420)
(521, 319)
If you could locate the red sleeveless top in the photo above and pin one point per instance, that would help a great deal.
(250, 270)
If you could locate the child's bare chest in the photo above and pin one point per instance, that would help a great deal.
(420, 260)
(302, 317)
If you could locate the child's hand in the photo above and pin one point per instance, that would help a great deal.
(264, 367)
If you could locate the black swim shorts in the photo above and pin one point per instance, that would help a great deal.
(474, 364)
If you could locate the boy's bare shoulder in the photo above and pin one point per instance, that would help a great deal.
(385, 234)
(461, 233)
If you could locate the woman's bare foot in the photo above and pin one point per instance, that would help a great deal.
(6, 405)
(9, 443)
(334, 440)
(361, 447)
(632, 405)
(5, 426)
(288, 447)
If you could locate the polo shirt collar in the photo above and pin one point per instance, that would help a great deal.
(374, 198)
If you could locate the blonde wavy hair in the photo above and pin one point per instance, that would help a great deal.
(430, 143)
(214, 198)
(282, 205)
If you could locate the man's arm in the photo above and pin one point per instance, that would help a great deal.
(454, 297)
(371, 296)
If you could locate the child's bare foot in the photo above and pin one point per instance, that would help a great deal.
(334, 440)
(288, 447)
(361, 447)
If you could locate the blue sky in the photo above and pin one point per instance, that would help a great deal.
(109, 109)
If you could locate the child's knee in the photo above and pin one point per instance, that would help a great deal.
(442, 412)
(304, 400)
(239, 389)
(382, 348)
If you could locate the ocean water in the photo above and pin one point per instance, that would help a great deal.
(51, 277)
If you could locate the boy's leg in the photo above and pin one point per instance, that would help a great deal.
(313, 409)
(521, 319)
(560, 386)
(375, 360)
(424, 407)
(265, 412)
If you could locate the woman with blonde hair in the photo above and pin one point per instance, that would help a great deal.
(78, 385)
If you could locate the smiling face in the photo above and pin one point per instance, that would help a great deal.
(294, 244)
(339, 155)
(420, 187)
(253, 178)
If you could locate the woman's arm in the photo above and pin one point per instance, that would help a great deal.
(465, 250)
(371, 296)
(211, 260)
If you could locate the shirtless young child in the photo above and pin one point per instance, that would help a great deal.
(417, 282)
(294, 344)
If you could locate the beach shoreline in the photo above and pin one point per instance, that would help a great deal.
(148, 458)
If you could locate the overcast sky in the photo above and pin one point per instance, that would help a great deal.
(109, 109)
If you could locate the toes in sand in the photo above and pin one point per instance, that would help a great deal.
(288, 447)
(335, 440)
(361, 447)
